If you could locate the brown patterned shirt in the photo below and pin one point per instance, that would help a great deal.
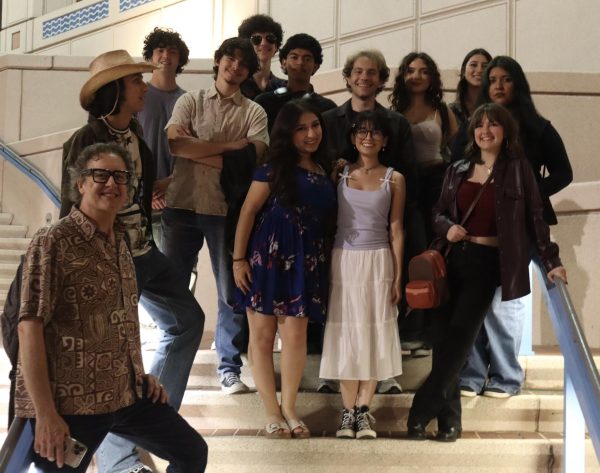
(84, 289)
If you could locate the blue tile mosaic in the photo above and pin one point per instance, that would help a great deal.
(75, 19)
(125, 5)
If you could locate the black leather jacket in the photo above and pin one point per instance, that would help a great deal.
(519, 220)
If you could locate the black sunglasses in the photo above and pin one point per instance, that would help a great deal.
(257, 39)
(101, 176)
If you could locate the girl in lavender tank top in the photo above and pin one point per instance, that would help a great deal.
(361, 343)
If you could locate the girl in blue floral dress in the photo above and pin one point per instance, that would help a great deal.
(279, 259)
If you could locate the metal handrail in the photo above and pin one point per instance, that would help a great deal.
(582, 381)
(32, 172)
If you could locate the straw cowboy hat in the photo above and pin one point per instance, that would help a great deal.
(106, 68)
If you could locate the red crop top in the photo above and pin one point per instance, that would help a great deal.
(482, 221)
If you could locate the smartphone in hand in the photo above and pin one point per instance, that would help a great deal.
(74, 452)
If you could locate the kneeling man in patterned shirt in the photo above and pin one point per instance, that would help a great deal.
(80, 372)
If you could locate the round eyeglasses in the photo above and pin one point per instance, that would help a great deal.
(101, 176)
(362, 133)
(257, 39)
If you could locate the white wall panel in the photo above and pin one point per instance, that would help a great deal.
(53, 107)
(394, 45)
(10, 98)
(194, 21)
(553, 35)
(445, 39)
(234, 12)
(63, 49)
(355, 15)
(432, 6)
(93, 44)
(328, 58)
(130, 35)
(315, 17)
(16, 10)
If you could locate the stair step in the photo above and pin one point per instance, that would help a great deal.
(14, 243)
(5, 218)
(10, 256)
(530, 411)
(508, 452)
(8, 270)
(542, 372)
(13, 231)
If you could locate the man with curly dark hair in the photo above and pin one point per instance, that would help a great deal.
(266, 36)
(165, 49)
(300, 57)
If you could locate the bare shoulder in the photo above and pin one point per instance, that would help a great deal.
(398, 179)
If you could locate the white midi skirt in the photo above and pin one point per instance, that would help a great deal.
(361, 333)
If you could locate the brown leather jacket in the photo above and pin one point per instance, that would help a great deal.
(519, 220)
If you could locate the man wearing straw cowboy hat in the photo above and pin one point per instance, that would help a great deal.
(113, 94)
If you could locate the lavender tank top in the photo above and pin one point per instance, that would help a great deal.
(362, 222)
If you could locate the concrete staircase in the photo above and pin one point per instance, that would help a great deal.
(518, 434)
(12, 245)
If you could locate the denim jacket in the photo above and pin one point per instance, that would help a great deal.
(519, 220)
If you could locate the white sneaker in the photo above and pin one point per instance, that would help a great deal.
(496, 393)
(232, 384)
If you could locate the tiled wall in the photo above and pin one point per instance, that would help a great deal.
(544, 35)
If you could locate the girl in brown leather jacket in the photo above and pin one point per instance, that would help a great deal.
(490, 249)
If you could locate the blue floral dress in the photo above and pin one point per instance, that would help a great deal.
(286, 250)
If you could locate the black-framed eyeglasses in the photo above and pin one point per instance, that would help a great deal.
(362, 133)
(101, 176)
(257, 39)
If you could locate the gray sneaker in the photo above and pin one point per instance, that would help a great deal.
(141, 469)
(389, 386)
(329, 386)
(232, 384)
(346, 429)
(364, 419)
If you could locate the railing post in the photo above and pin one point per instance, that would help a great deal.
(527, 336)
(574, 436)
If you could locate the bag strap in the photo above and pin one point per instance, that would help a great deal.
(476, 199)
(470, 210)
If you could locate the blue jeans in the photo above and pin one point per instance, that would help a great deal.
(184, 232)
(156, 427)
(174, 309)
(494, 355)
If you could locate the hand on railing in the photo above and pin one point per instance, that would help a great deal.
(559, 272)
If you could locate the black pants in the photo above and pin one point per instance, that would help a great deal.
(155, 427)
(473, 275)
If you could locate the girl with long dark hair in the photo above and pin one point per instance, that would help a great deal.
(469, 83)
(490, 249)
(417, 95)
(279, 258)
